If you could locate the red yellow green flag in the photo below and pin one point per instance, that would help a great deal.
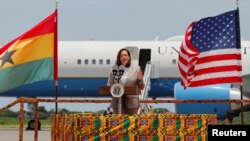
(30, 57)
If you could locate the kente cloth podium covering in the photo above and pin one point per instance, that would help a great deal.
(117, 127)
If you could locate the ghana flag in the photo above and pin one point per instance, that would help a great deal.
(30, 57)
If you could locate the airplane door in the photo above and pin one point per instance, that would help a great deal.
(144, 57)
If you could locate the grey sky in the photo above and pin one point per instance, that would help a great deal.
(114, 19)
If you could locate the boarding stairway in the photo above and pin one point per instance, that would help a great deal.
(144, 107)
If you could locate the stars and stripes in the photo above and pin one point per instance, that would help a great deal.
(210, 52)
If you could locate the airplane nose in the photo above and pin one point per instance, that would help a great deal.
(235, 94)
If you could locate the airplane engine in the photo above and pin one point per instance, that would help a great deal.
(214, 92)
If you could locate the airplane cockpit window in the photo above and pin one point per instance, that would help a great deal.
(93, 61)
(86, 61)
(100, 61)
(108, 61)
(79, 61)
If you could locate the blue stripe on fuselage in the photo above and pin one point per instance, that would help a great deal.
(83, 88)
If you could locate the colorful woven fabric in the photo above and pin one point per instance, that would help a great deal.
(145, 127)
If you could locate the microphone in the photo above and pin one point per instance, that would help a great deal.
(115, 70)
(121, 69)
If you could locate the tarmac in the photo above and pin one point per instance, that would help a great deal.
(12, 134)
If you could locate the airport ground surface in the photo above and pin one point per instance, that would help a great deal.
(12, 134)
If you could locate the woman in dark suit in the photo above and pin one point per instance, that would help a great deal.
(132, 76)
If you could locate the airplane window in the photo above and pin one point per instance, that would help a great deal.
(174, 61)
(86, 61)
(108, 61)
(93, 61)
(100, 61)
(79, 61)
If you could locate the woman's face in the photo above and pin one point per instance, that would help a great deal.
(124, 58)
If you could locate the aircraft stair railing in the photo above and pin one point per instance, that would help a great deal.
(144, 93)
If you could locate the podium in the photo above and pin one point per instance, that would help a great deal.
(128, 90)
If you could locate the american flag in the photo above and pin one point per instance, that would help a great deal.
(210, 52)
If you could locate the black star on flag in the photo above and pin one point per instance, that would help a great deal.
(7, 57)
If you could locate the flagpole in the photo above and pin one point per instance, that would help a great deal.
(56, 68)
(241, 84)
(56, 58)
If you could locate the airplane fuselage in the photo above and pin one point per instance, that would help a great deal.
(84, 66)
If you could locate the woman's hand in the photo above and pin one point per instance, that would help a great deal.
(139, 79)
(139, 75)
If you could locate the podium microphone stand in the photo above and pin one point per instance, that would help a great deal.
(117, 90)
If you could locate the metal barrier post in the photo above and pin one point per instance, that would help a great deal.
(21, 120)
(36, 121)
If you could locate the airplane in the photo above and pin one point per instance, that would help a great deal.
(84, 66)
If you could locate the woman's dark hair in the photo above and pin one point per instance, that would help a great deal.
(118, 62)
